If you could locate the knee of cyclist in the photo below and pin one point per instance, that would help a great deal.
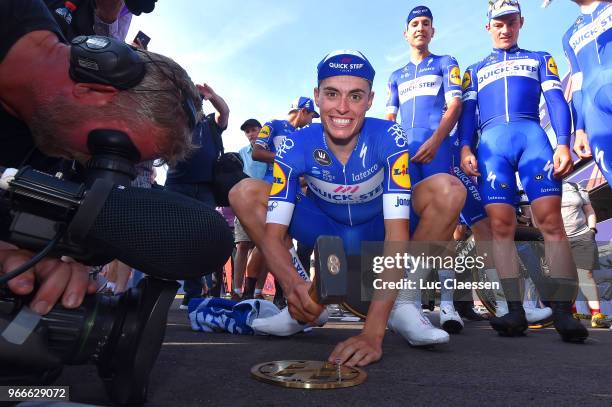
(551, 224)
(244, 193)
(449, 195)
(503, 228)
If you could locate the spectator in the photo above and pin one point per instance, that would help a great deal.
(194, 176)
(580, 224)
(254, 169)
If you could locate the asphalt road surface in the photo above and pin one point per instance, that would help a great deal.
(476, 368)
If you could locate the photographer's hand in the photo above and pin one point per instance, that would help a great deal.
(58, 279)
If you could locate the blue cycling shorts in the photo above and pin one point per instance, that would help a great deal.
(440, 164)
(309, 222)
(597, 111)
(521, 146)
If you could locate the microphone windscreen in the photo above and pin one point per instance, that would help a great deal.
(161, 233)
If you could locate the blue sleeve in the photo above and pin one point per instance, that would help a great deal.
(393, 152)
(265, 136)
(393, 102)
(468, 119)
(288, 166)
(558, 110)
(451, 78)
(576, 85)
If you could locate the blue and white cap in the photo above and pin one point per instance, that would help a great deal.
(304, 103)
(345, 62)
(500, 8)
(419, 11)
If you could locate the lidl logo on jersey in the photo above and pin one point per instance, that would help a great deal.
(467, 80)
(455, 75)
(280, 175)
(551, 66)
(399, 180)
(264, 132)
(589, 32)
(527, 68)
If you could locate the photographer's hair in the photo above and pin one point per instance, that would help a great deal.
(160, 98)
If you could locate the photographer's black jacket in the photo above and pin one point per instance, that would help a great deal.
(18, 18)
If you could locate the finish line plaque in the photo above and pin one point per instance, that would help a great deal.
(308, 374)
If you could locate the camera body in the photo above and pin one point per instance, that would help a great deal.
(121, 334)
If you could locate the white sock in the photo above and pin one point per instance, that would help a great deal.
(446, 294)
(257, 292)
(413, 296)
(298, 265)
(238, 291)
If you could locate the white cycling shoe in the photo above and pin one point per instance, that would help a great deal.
(282, 324)
(532, 314)
(407, 320)
(450, 320)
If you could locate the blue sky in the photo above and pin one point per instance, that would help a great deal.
(260, 55)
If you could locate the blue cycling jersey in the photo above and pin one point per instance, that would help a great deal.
(506, 86)
(375, 178)
(588, 46)
(272, 135)
(419, 92)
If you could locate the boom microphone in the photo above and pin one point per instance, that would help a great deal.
(161, 233)
(164, 234)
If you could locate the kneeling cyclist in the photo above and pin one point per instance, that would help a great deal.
(356, 169)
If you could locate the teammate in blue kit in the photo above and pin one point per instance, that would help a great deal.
(588, 46)
(427, 94)
(505, 87)
(273, 133)
(356, 169)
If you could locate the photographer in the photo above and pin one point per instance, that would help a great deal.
(42, 107)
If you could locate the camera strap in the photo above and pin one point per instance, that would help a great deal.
(90, 208)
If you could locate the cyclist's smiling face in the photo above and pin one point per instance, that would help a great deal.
(419, 32)
(343, 102)
(504, 30)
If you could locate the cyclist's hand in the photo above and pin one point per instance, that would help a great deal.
(581, 145)
(427, 152)
(301, 307)
(469, 164)
(359, 350)
(562, 161)
(58, 279)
